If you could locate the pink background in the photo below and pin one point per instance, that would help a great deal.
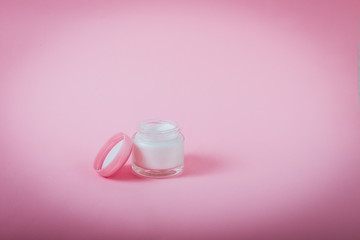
(266, 93)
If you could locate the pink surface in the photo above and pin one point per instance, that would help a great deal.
(266, 94)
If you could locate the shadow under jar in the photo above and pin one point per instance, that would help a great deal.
(158, 149)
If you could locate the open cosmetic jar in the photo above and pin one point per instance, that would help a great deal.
(157, 150)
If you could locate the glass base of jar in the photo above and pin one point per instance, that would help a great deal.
(157, 173)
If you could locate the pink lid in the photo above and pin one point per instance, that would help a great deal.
(113, 155)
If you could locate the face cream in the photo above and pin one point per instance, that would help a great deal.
(158, 149)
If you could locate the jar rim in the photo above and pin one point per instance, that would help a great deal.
(157, 127)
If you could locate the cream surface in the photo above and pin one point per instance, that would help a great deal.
(159, 127)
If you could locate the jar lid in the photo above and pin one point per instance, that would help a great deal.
(113, 155)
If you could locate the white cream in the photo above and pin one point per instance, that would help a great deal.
(162, 155)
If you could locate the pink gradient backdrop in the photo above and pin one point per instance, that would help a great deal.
(266, 93)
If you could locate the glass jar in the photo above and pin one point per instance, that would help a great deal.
(158, 149)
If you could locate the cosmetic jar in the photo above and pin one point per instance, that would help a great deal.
(158, 149)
